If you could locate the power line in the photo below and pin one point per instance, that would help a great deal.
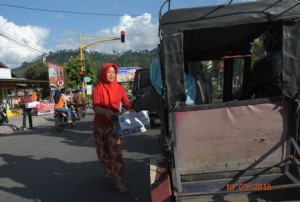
(21, 44)
(92, 37)
(70, 12)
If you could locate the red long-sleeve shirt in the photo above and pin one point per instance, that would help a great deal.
(122, 97)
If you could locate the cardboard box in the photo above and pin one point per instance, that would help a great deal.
(132, 123)
(31, 104)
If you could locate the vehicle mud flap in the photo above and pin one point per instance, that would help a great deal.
(159, 178)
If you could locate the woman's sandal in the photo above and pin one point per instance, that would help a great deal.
(122, 189)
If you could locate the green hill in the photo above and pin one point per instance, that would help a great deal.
(142, 58)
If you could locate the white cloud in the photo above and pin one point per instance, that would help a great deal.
(14, 55)
(140, 34)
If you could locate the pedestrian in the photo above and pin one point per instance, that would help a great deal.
(26, 111)
(107, 97)
(34, 96)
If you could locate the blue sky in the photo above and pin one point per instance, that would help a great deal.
(34, 23)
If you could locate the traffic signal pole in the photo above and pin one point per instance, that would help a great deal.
(81, 49)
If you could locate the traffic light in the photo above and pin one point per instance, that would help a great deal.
(122, 36)
(81, 63)
(81, 75)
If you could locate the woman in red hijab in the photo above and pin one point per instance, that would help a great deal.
(107, 97)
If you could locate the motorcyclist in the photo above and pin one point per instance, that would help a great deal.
(60, 104)
(78, 99)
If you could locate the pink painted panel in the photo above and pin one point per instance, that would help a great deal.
(231, 138)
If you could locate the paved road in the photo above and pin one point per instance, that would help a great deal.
(44, 165)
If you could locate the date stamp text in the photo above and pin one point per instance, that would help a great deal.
(249, 187)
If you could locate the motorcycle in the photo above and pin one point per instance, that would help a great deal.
(61, 120)
(3, 115)
(80, 112)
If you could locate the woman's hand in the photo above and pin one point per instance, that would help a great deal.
(124, 112)
(108, 113)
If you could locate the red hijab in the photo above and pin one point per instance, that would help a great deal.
(108, 91)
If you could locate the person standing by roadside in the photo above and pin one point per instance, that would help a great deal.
(26, 111)
(107, 97)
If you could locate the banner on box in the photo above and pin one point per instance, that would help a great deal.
(132, 123)
(45, 108)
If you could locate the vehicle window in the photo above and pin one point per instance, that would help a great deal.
(144, 80)
(209, 77)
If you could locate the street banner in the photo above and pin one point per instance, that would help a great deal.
(45, 108)
(126, 74)
(56, 76)
(89, 89)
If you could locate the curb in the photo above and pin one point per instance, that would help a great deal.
(15, 123)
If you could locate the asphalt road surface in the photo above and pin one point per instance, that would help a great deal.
(45, 165)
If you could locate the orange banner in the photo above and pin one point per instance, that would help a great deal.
(56, 76)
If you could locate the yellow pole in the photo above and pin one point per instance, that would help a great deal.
(81, 65)
(81, 48)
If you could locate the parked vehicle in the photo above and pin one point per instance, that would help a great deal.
(61, 120)
(233, 148)
(142, 86)
(3, 114)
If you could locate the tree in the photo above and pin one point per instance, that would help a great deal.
(257, 50)
(39, 71)
(72, 72)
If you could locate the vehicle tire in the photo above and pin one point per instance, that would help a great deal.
(59, 125)
(74, 121)
(1, 119)
(83, 113)
(79, 114)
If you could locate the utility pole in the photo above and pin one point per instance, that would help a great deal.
(82, 60)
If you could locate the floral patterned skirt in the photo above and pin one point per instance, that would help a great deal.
(109, 151)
